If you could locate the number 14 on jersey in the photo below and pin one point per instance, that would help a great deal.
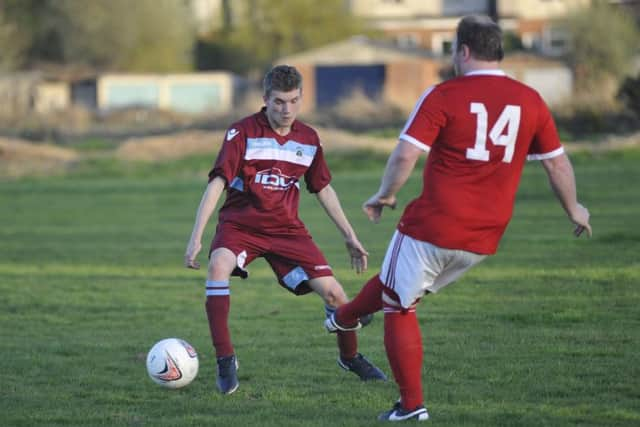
(509, 119)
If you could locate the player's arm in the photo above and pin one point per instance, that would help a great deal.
(563, 183)
(205, 210)
(399, 167)
(331, 204)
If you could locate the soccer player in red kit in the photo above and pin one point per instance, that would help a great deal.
(260, 164)
(478, 130)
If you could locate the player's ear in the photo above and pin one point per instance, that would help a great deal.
(466, 52)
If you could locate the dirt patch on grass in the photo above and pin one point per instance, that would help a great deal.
(609, 143)
(339, 140)
(20, 158)
(170, 147)
(189, 143)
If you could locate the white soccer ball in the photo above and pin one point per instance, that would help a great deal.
(172, 363)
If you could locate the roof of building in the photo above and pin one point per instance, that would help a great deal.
(357, 50)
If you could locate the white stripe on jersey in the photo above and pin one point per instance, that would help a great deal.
(411, 140)
(403, 134)
(545, 156)
(290, 151)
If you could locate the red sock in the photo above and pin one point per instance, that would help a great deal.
(347, 344)
(403, 343)
(218, 314)
(368, 300)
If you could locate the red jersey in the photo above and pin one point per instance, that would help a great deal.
(479, 130)
(262, 170)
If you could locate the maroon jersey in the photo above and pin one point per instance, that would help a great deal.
(479, 129)
(262, 170)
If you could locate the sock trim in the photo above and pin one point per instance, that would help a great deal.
(217, 288)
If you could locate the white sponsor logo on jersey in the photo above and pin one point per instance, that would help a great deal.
(274, 179)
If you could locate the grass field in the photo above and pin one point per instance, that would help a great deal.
(546, 333)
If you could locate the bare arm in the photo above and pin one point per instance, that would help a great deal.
(563, 183)
(329, 201)
(399, 166)
(205, 210)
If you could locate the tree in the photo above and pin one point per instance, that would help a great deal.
(603, 41)
(629, 93)
(12, 53)
(141, 35)
(16, 33)
(268, 29)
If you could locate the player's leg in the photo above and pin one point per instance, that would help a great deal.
(406, 271)
(412, 268)
(330, 290)
(367, 302)
(221, 264)
(333, 295)
(403, 345)
(301, 268)
(231, 250)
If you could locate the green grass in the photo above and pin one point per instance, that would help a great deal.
(546, 333)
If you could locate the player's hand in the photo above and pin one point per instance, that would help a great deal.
(359, 255)
(373, 207)
(193, 249)
(580, 217)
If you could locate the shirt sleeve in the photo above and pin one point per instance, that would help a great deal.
(228, 163)
(546, 143)
(318, 175)
(426, 120)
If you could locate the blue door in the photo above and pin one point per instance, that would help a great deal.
(335, 82)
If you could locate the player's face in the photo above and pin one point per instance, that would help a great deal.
(283, 107)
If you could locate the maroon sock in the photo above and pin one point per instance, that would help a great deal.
(368, 300)
(347, 344)
(403, 343)
(218, 313)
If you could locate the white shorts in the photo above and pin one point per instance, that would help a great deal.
(412, 267)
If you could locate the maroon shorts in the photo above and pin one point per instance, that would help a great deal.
(293, 258)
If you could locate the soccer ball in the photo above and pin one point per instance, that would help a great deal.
(172, 363)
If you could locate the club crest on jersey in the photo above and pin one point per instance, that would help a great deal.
(274, 179)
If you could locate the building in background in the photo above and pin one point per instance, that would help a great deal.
(413, 57)
(431, 24)
(380, 71)
(206, 14)
(189, 93)
(211, 92)
(398, 76)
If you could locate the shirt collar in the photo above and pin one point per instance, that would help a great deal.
(495, 72)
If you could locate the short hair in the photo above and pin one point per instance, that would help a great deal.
(483, 37)
(284, 78)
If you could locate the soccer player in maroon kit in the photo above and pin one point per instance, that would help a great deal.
(478, 130)
(260, 164)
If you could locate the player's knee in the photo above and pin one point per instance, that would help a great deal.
(335, 296)
(330, 290)
(221, 263)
